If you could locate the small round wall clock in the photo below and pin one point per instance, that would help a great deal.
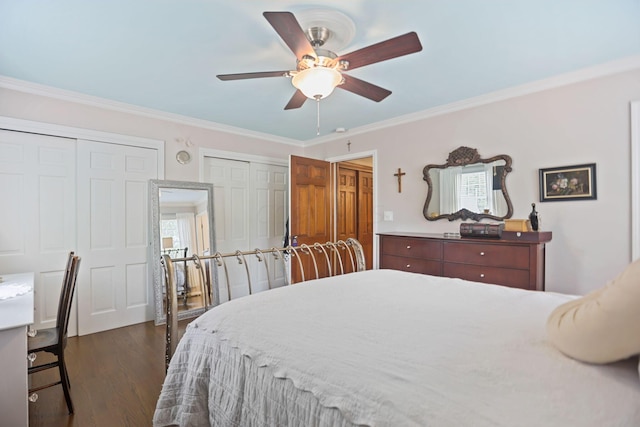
(183, 157)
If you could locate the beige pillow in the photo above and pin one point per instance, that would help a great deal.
(603, 326)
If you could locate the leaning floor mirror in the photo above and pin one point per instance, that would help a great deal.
(182, 225)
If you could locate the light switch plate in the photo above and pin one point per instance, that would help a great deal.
(388, 215)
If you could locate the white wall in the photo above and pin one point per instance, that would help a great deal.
(582, 123)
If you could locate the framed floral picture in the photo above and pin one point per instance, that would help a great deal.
(568, 183)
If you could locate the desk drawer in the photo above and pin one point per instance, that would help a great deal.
(500, 276)
(484, 254)
(411, 247)
(414, 265)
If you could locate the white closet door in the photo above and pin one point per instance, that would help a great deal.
(268, 214)
(113, 284)
(38, 214)
(230, 179)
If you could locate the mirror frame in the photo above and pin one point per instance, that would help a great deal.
(463, 156)
(155, 185)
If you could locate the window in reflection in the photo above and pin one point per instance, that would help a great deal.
(473, 188)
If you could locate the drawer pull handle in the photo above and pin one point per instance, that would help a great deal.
(408, 265)
(408, 246)
(481, 274)
(481, 253)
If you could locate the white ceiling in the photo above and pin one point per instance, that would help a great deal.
(164, 54)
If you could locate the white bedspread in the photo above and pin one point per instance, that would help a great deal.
(387, 348)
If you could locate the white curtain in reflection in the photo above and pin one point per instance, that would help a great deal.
(186, 230)
(450, 180)
(492, 199)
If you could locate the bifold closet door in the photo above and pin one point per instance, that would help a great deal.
(230, 179)
(250, 207)
(268, 218)
(38, 214)
(113, 283)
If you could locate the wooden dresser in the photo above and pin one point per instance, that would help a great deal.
(515, 260)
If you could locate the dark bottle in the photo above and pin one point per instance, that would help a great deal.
(533, 218)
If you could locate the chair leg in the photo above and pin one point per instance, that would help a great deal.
(66, 375)
(64, 378)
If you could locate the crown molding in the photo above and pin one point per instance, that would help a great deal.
(585, 74)
(589, 73)
(94, 101)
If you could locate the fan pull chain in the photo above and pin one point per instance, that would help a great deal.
(318, 115)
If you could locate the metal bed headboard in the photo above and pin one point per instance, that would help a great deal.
(329, 252)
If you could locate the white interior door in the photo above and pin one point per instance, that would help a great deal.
(250, 211)
(38, 214)
(268, 218)
(230, 179)
(113, 285)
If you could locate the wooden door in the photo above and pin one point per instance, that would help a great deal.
(346, 208)
(365, 216)
(347, 203)
(113, 285)
(354, 206)
(311, 208)
(202, 233)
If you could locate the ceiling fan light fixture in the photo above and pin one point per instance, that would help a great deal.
(317, 82)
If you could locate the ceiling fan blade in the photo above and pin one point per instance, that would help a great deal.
(242, 76)
(287, 26)
(362, 88)
(296, 100)
(388, 49)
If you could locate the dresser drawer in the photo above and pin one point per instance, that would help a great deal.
(499, 276)
(410, 247)
(415, 265)
(484, 254)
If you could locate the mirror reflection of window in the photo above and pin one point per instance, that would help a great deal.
(470, 187)
(169, 230)
(473, 191)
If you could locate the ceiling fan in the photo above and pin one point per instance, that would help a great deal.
(319, 71)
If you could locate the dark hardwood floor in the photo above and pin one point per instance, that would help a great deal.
(116, 377)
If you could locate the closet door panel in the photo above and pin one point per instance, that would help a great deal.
(267, 220)
(230, 179)
(250, 205)
(37, 189)
(113, 284)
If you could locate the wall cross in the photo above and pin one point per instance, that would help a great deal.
(400, 174)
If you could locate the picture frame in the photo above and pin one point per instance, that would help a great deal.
(566, 183)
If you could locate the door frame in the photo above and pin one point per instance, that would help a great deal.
(353, 156)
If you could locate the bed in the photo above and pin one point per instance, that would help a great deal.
(389, 348)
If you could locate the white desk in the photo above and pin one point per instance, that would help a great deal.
(15, 315)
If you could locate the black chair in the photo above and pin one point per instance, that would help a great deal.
(54, 340)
